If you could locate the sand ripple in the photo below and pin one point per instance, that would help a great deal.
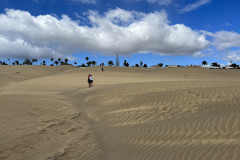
(170, 121)
(130, 114)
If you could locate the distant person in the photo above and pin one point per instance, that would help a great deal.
(102, 69)
(91, 80)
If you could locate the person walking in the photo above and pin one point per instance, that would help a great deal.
(91, 80)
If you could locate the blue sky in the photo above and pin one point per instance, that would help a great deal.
(172, 32)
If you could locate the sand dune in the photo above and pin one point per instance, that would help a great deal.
(130, 113)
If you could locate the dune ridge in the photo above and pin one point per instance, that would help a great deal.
(130, 113)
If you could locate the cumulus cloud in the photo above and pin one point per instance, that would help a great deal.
(18, 47)
(233, 55)
(226, 43)
(229, 43)
(116, 31)
(194, 6)
(224, 39)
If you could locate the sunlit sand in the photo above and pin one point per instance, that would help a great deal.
(129, 113)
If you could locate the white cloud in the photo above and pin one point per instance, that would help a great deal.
(85, 1)
(161, 2)
(116, 31)
(199, 54)
(226, 43)
(194, 6)
(75, 1)
(225, 40)
(18, 47)
(227, 24)
(233, 55)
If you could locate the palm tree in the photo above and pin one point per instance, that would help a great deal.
(17, 62)
(62, 63)
(234, 65)
(52, 60)
(110, 63)
(160, 64)
(89, 63)
(75, 63)
(44, 63)
(87, 59)
(34, 60)
(66, 60)
(94, 63)
(9, 61)
(83, 65)
(56, 62)
(59, 59)
(214, 64)
(27, 61)
(125, 63)
(204, 63)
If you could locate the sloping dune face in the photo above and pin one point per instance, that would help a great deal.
(130, 113)
(169, 120)
(37, 118)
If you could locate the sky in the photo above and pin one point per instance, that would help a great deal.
(172, 32)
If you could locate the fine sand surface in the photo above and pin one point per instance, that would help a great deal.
(49, 113)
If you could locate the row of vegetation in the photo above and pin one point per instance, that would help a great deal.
(59, 61)
(28, 61)
(216, 65)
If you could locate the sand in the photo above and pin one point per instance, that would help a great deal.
(130, 113)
